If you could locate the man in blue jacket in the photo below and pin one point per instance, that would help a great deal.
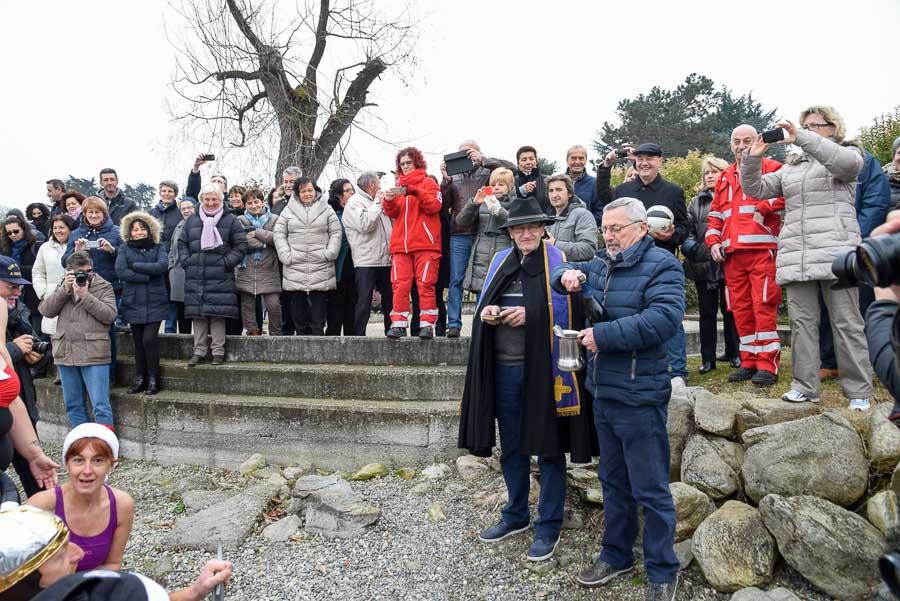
(873, 201)
(640, 289)
(585, 184)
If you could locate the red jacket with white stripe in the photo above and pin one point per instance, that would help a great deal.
(417, 225)
(739, 222)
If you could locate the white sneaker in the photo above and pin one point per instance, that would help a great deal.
(860, 405)
(795, 396)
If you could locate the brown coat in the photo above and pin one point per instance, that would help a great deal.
(259, 277)
(82, 330)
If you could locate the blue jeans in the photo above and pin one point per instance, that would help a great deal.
(172, 319)
(517, 467)
(95, 378)
(460, 249)
(676, 351)
(634, 470)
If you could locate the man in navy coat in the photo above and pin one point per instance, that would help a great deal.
(640, 289)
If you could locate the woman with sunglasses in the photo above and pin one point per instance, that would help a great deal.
(820, 223)
(17, 241)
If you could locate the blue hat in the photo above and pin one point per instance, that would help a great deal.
(11, 272)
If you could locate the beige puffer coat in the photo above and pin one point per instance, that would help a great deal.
(259, 276)
(819, 190)
(308, 240)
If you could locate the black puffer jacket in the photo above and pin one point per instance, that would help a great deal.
(142, 268)
(119, 205)
(698, 264)
(209, 289)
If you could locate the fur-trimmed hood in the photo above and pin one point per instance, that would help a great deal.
(151, 221)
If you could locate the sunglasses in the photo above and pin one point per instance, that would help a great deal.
(13, 232)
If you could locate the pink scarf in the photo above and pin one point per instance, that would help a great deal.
(210, 237)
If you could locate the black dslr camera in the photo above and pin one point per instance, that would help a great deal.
(875, 262)
(82, 278)
(39, 346)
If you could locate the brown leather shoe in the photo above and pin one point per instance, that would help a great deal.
(828, 374)
(194, 361)
(254, 332)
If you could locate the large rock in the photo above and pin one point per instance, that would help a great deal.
(691, 508)
(712, 465)
(831, 547)
(198, 500)
(882, 511)
(470, 467)
(680, 425)
(282, 530)
(820, 455)
(371, 471)
(436, 471)
(755, 413)
(332, 508)
(230, 521)
(734, 549)
(883, 441)
(715, 414)
(755, 594)
(253, 463)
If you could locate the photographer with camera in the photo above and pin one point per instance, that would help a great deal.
(24, 350)
(86, 307)
(818, 189)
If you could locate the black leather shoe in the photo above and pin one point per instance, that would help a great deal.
(152, 385)
(707, 367)
(735, 362)
(741, 374)
(139, 385)
(396, 333)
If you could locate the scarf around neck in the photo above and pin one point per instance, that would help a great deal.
(258, 222)
(210, 237)
(16, 249)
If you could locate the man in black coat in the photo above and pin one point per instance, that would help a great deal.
(117, 203)
(652, 189)
(529, 180)
(19, 344)
(513, 378)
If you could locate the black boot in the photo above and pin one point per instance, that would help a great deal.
(707, 367)
(152, 385)
(140, 384)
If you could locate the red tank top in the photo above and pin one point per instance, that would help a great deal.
(9, 388)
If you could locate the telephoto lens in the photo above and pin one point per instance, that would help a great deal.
(844, 268)
(878, 260)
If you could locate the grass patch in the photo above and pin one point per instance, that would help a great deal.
(717, 382)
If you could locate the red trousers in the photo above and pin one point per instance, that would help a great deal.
(753, 298)
(424, 267)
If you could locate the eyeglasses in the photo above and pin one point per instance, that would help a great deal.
(13, 232)
(816, 126)
(405, 163)
(616, 229)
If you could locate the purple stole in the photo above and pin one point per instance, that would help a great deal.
(566, 393)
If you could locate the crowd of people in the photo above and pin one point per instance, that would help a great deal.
(220, 261)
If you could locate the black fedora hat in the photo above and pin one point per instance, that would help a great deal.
(526, 210)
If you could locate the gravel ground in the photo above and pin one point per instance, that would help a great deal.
(403, 556)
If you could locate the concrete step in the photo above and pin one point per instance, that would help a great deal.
(351, 350)
(222, 430)
(375, 382)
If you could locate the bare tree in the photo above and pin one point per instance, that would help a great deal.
(240, 72)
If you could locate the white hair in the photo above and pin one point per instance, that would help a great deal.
(292, 170)
(211, 189)
(574, 148)
(634, 208)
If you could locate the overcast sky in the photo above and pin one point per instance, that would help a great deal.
(87, 83)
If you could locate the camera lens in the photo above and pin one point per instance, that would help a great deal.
(844, 268)
(889, 566)
(878, 260)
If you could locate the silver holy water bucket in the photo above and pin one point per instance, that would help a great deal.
(570, 357)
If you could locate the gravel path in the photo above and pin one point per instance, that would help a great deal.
(404, 556)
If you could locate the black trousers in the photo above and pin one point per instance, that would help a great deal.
(367, 280)
(308, 310)
(183, 323)
(826, 339)
(146, 349)
(341, 311)
(711, 301)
